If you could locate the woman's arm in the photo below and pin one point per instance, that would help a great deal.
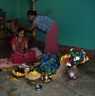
(33, 29)
(34, 34)
(26, 48)
(14, 50)
(30, 28)
(26, 44)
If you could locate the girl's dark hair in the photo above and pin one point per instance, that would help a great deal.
(19, 29)
(32, 12)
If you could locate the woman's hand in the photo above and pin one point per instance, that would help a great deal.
(25, 55)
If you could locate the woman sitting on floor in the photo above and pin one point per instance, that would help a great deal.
(21, 53)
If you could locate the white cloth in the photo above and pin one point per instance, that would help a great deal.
(38, 52)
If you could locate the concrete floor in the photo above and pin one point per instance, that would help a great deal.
(85, 85)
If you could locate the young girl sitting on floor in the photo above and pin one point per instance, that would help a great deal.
(21, 53)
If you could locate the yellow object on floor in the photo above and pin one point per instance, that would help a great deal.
(33, 75)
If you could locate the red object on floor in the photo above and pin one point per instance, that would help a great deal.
(19, 59)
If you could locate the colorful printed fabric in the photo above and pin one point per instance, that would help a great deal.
(43, 23)
(15, 58)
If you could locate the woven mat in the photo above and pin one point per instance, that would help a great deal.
(5, 63)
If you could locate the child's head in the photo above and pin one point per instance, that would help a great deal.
(31, 14)
(20, 32)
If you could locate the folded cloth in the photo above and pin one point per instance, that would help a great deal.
(38, 52)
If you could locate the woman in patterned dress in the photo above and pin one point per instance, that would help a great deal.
(47, 25)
